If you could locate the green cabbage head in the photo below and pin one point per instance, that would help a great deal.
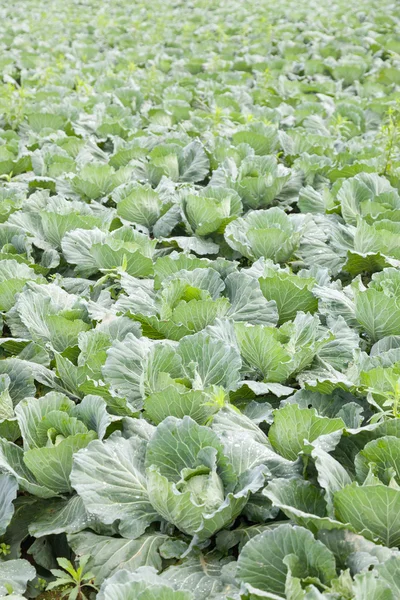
(190, 481)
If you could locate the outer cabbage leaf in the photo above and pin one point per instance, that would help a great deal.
(262, 562)
(294, 428)
(111, 554)
(370, 509)
(110, 478)
(290, 292)
(8, 493)
(14, 576)
(145, 584)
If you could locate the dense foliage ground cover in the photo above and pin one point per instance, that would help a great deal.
(200, 300)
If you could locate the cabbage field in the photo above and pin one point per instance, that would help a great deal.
(200, 300)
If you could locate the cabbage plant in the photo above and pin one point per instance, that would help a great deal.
(182, 474)
(259, 180)
(53, 429)
(377, 306)
(211, 210)
(264, 233)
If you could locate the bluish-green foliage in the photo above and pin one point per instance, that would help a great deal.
(200, 300)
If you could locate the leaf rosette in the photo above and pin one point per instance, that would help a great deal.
(268, 233)
(190, 481)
